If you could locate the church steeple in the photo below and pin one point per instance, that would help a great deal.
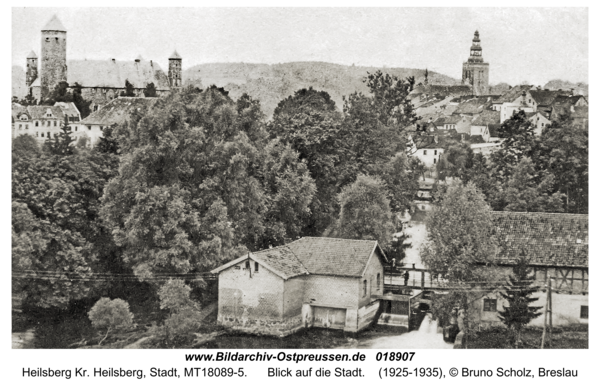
(476, 50)
(476, 72)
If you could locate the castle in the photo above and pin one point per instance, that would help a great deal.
(476, 72)
(100, 80)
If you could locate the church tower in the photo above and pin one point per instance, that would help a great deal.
(475, 71)
(54, 56)
(175, 70)
(32, 69)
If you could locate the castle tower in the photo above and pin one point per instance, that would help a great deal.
(54, 56)
(175, 70)
(475, 71)
(32, 68)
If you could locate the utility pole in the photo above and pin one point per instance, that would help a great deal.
(548, 309)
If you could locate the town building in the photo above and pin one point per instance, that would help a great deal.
(99, 80)
(42, 122)
(311, 282)
(115, 112)
(557, 246)
(476, 72)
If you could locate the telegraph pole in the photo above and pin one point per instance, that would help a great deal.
(548, 309)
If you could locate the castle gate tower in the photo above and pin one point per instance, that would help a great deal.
(32, 68)
(475, 71)
(175, 70)
(54, 56)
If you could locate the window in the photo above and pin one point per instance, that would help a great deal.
(248, 265)
(435, 152)
(37, 123)
(424, 153)
(434, 160)
(75, 127)
(42, 134)
(20, 126)
(378, 281)
(50, 123)
(584, 311)
(37, 134)
(256, 265)
(26, 126)
(48, 134)
(542, 124)
(489, 305)
(89, 127)
(364, 288)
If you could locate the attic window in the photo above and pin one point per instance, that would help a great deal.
(248, 265)
(47, 39)
(256, 265)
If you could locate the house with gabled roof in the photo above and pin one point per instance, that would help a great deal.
(311, 282)
(557, 248)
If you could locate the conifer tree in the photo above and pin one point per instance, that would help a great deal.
(518, 290)
(61, 144)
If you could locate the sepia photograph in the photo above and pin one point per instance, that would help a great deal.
(299, 178)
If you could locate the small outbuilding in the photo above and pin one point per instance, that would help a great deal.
(321, 282)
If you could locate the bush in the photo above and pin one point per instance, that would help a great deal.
(110, 315)
(184, 315)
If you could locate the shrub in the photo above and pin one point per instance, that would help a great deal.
(184, 316)
(110, 315)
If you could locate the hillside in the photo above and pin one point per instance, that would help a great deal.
(556, 84)
(18, 82)
(272, 83)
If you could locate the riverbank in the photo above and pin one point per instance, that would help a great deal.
(569, 337)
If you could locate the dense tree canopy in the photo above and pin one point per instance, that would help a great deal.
(57, 237)
(193, 190)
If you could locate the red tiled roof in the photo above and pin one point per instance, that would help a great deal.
(548, 239)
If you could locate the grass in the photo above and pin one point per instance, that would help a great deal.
(569, 337)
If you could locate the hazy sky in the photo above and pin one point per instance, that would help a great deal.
(521, 44)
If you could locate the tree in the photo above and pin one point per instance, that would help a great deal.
(564, 152)
(28, 100)
(150, 90)
(309, 122)
(518, 290)
(61, 93)
(83, 141)
(191, 190)
(519, 141)
(460, 247)
(129, 90)
(184, 313)
(365, 211)
(110, 315)
(455, 161)
(531, 191)
(107, 143)
(61, 144)
(57, 238)
(25, 146)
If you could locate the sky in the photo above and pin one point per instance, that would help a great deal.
(534, 45)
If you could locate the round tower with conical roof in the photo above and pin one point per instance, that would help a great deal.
(175, 69)
(476, 72)
(32, 68)
(54, 55)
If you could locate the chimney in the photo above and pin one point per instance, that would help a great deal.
(572, 92)
(435, 138)
(572, 108)
(113, 60)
